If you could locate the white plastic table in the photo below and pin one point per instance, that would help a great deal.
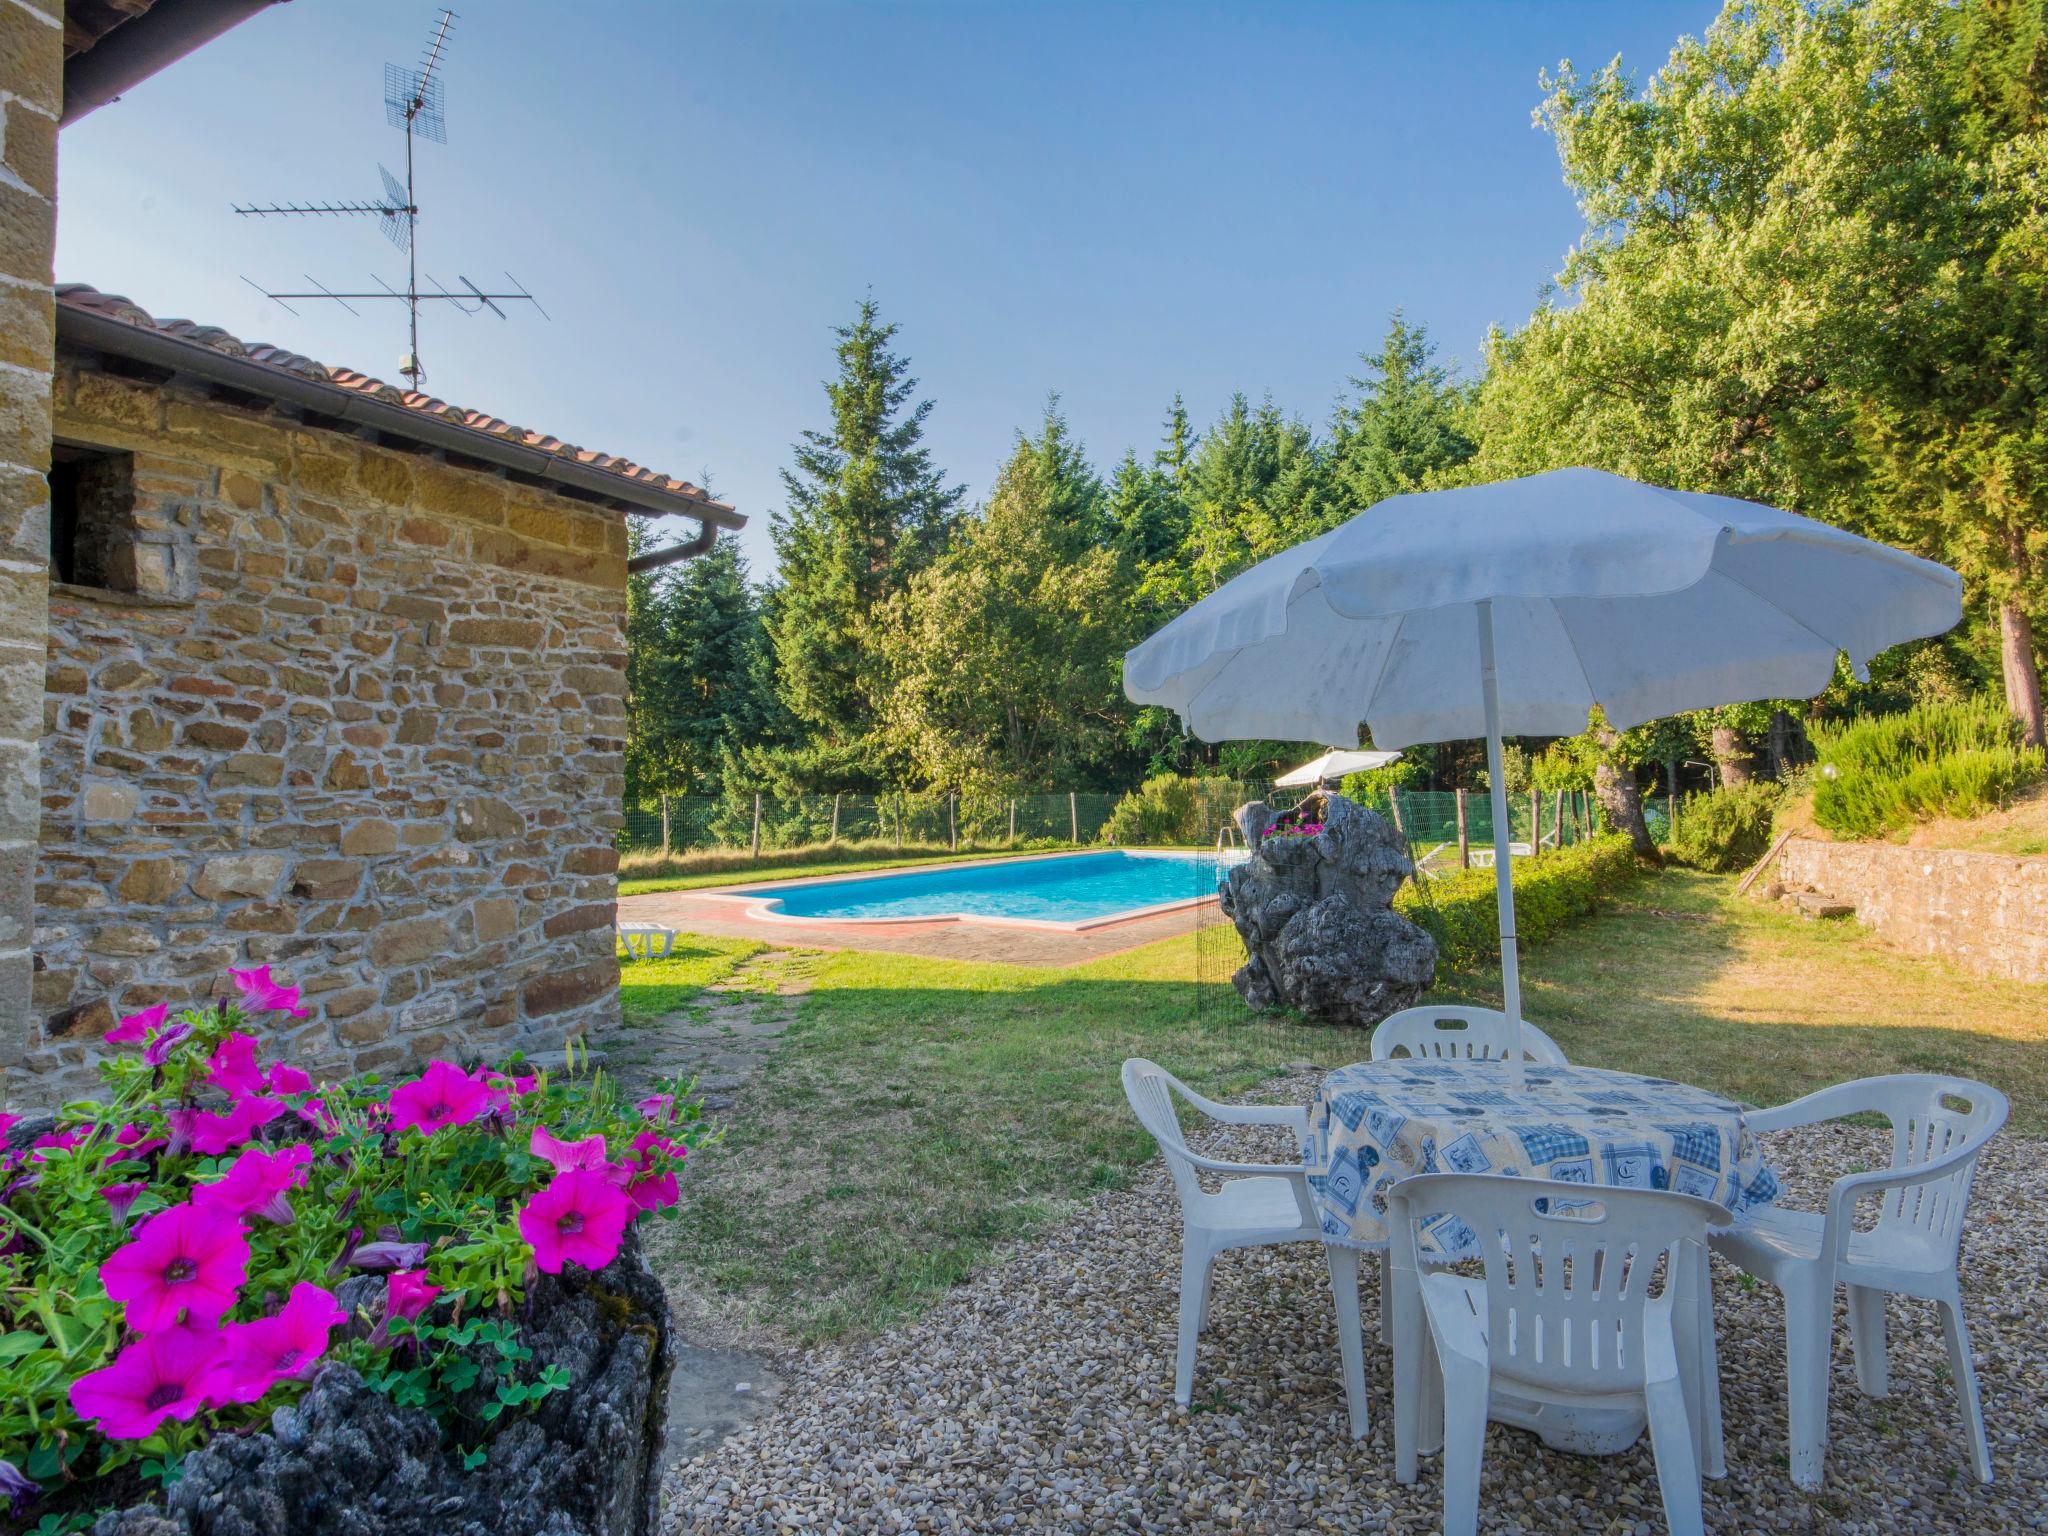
(1376, 1123)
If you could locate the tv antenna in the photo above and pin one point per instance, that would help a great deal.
(412, 104)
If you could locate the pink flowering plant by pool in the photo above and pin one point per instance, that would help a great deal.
(1295, 829)
(173, 1255)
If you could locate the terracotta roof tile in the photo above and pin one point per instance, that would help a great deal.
(83, 296)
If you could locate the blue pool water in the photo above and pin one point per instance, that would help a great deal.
(1083, 888)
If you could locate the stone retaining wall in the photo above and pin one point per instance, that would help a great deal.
(361, 718)
(1985, 912)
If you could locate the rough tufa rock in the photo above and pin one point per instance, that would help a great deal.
(347, 1461)
(1317, 920)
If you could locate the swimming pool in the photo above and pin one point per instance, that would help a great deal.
(1068, 890)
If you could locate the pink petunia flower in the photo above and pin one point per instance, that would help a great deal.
(285, 1347)
(258, 1184)
(564, 1155)
(578, 1218)
(8, 1123)
(166, 1374)
(232, 1066)
(439, 1097)
(279, 1078)
(651, 1182)
(166, 1040)
(260, 994)
(185, 1259)
(120, 1197)
(56, 1141)
(133, 1143)
(659, 1106)
(137, 1026)
(408, 1293)
(315, 1112)
(210, 1134)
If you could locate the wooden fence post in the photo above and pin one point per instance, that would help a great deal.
(1013, 822)
(1535, 821)
(1464, 843)
(835, 814)
(899, 824)
(757, 824)
(664, 824)
(1557, 817)
(1673, 799)
(952, 825)
(1073, 819)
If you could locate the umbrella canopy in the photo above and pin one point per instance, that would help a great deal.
(1335, 765)
(1517, 607)
(1605, 591)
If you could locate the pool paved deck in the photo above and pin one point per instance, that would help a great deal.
(721, 911)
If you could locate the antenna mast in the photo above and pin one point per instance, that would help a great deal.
(412, 103)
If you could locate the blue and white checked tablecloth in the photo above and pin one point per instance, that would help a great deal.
(1378, 1122)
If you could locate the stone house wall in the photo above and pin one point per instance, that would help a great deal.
(31, 97)
(361, 719)
(1985, 912)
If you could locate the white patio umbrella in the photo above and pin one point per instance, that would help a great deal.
(1514, 608)
(1334, 764)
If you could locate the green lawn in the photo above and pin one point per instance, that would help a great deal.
(650, 988)
(921, 1112)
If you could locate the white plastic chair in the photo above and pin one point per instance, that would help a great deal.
(1565, 1315)
(1259, 1204)
(1939, 1126)
(639, 940)
(1460, 1034)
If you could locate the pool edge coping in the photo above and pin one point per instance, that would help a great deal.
(761, 906)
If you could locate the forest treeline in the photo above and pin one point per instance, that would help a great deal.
(1813, 271)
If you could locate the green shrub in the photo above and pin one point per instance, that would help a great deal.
(1886, 772)
(1173, 809)
(1552, 891)
(1727, 828)
(1373, 786)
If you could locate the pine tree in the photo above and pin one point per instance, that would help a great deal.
(715, 684)
(866, 510)
(1177, 452)
(1408, 420)
(1255, 486)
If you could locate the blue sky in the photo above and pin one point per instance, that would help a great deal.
(1115, 201)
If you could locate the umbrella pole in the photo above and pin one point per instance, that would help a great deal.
(1503, 863)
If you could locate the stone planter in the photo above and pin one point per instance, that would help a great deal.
(1317, 919)
(346, 1461)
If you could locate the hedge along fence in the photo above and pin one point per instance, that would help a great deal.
(1552, 892)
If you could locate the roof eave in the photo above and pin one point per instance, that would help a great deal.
(176, 354)
(133, 51)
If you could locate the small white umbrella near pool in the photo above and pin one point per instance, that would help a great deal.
(1334, 765)
(1514, 608)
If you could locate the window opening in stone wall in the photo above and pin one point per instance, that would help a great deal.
(92, 519)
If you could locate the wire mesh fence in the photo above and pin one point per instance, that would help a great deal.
(1442, 827)
(902, 820)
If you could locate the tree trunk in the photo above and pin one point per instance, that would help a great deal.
(2022, 675)
(1780, 742)
(1731, 755)
(1621, 798)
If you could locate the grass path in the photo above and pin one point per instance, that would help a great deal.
(919, 1113)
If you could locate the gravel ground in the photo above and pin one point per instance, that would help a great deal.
(1038, 1397)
